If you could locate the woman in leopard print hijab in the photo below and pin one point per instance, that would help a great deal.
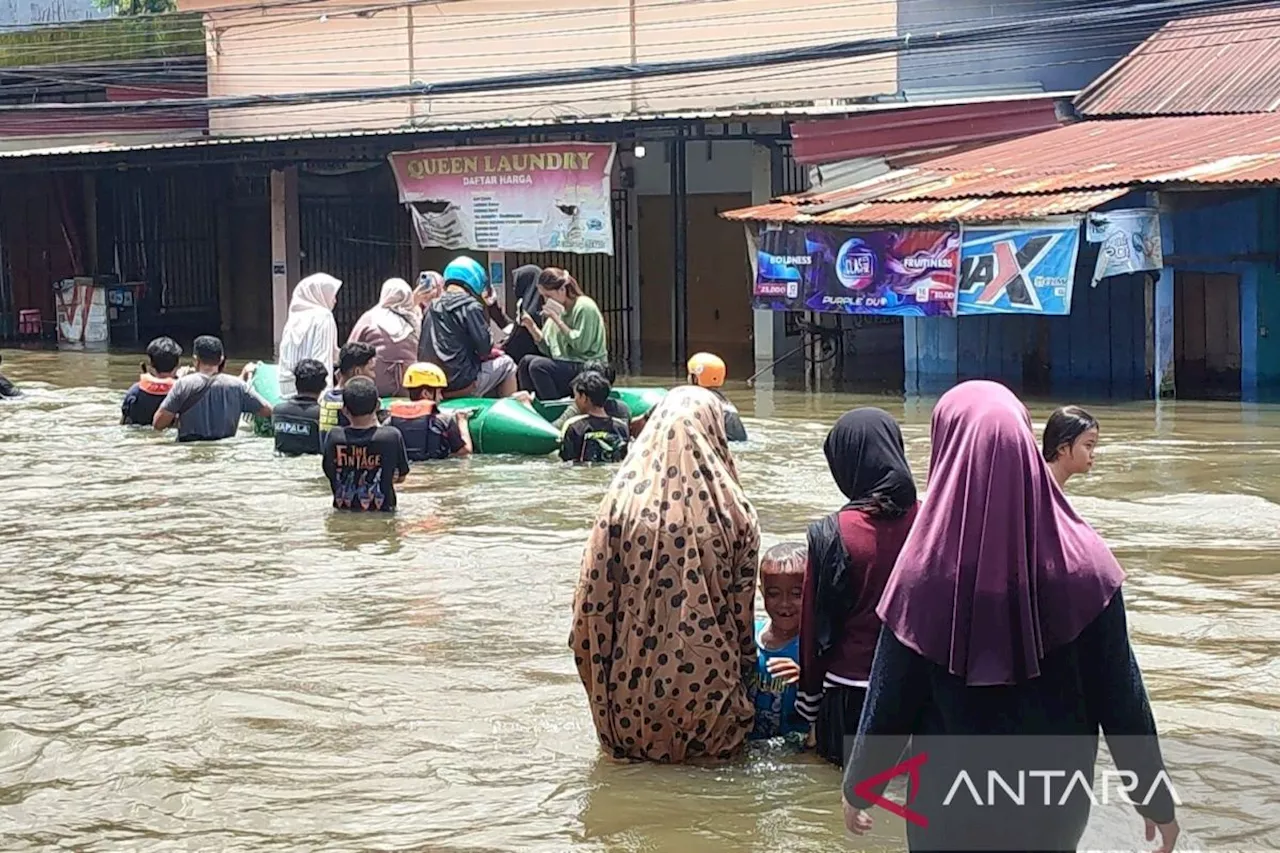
(663, 632)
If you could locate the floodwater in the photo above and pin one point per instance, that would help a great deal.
(196, 654)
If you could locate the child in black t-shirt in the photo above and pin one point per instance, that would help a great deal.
(362, 460)
(594, 436)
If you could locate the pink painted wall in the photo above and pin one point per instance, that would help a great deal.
(291, 49)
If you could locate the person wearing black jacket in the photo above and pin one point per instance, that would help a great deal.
(460, 339)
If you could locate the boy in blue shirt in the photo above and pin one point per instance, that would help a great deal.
(782, 571)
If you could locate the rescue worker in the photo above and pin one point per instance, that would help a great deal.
(707, 370)
(429, 432)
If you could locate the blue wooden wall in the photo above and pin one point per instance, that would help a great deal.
(1101, 349)
(1236, 233)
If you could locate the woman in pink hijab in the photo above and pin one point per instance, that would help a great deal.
(391, 327)
(1004, 649)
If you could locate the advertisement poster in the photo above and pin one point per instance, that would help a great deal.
(903, 272)
(1018, 269)
(552, 197)
(81, 311)
(1129, 241)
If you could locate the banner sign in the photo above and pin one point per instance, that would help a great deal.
(1130, 241)
(1018, 269)
(903, 272)
(552, 197)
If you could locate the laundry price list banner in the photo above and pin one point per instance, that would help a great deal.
(552, 197)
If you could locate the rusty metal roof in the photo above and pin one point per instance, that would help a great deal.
(1067, 170)
(927, 211)
(1223, 63)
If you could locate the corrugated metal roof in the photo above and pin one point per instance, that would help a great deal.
(884, 134)
(1224, 63)
(927, 211)
(108, 146)
(1210, 150)
(1068, 170)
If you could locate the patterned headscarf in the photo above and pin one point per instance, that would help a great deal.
(664, 612)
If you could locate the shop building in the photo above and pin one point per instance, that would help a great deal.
(1185, 127)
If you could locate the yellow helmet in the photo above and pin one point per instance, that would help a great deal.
(424, 374)
(707, 369)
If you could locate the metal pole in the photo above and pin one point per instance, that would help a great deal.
(679, 243)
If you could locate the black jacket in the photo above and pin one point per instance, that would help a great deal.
(459, 337)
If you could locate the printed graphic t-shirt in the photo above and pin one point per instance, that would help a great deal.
(296, 426)
(588, 438)
(775, 699)
(362, 464)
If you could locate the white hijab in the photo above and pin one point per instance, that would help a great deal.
(310, 331)
(395, 313)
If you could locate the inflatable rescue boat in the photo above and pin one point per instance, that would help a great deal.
(497, 426)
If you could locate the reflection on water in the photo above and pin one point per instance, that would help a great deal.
(197, 654)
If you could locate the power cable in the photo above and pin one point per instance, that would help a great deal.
(640, 71)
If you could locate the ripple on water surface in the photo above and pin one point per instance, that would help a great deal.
(198, 655)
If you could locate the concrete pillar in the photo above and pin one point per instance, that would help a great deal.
(769, 326)
(1162, 317)
(285, 255)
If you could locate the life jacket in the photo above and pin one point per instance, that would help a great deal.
(155, 385)
(422, 427)
(330, 410)
(151, 393)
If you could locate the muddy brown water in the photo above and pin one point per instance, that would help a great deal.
(196, 654)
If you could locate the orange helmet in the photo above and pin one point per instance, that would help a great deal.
(707, 369)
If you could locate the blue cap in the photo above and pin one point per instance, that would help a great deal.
(468, 273)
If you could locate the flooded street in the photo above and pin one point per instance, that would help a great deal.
(197, 654)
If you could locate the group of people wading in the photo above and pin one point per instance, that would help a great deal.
(989, 609)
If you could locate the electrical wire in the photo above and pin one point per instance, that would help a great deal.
(972, 37)
(343, 39)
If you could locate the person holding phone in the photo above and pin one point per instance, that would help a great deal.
(572, 335)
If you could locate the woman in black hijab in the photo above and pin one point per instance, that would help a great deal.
(851, 554)
(524, 281)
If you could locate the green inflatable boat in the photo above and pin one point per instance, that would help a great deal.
(497, 426)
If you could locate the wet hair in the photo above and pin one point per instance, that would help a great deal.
(592, 385)
(1064, 427)
(310, 376)
(353, 355)
(360, 397)
(604, 368)
(785, 558)
(208, 350)
(164, 354)
(554, 278)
